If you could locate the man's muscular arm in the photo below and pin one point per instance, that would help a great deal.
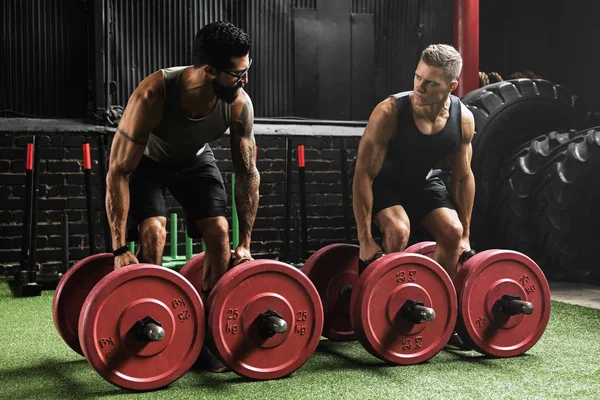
(462, 181)
(142, 115)
(372, 150)
(247, 178)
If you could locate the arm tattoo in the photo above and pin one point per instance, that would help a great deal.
(247, 176)
(247, 151)
(131, 139)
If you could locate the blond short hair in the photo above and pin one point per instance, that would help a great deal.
(443, 56)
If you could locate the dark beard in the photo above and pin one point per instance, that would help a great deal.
(226, 94)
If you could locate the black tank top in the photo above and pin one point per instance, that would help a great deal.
(412, 154)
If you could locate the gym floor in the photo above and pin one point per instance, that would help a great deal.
(576, 293)
(37, 364)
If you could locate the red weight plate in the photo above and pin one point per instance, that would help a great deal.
(192, 271)
(482, 281)
(381, 291)
(425, 248)
(71, 292)
(330, 269)
(234, 308)
(113, 308)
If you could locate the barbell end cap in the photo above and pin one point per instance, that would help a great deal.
(513, 305)
(416, 312)
(425, 313)
(153, 332)
(527, 308)
(276, 324)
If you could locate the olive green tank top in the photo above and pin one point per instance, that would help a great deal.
(179, 138)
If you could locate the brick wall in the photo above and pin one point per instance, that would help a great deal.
(61, 188)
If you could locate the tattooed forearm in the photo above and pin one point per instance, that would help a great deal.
(130, 138)
(247, 182)
(246, 197)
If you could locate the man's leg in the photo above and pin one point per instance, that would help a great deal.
(147, 211)
(201, 192)
(435, 209)
(445, 226)
(395, 227)
(215, 232)
(433, 206)
(441, 220)
(152, 236)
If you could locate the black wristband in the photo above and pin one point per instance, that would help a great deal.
(121, 250)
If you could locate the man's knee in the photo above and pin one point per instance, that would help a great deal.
(395, 236)
(216, 231)
(152, 232)
(152, 240)
(450, 235)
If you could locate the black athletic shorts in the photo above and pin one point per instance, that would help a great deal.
(197, 186)
(418, 199)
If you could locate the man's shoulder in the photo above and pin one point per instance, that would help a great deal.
(385, 108)
(400, 101)
(151, 89)
(157, 84)
(241, 102)
(390, 106)
(467, 115)
(242, 98)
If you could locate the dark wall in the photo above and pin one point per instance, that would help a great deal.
(148, 37)
(62, 188)
(44, 61)
(49, 43)
(52, 60)
(519, 36)
(581, 31)
(556, 43)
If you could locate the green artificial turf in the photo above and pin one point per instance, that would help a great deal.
(565, 364)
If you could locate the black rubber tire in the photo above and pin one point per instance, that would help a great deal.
(508, 114)
(568, 212)
(514, 205)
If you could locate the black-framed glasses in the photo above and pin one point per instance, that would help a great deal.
(239, 75)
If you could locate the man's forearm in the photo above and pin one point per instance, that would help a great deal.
(362, 204)
(117, 206)
(246, 198)
(463, 193)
